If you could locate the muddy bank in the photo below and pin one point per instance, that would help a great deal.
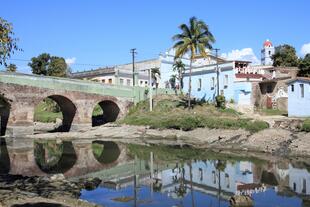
(279, 142)
(22, 191)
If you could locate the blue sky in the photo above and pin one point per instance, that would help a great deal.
(101, 32)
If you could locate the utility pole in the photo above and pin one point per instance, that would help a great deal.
(133, 52)
(217, 72)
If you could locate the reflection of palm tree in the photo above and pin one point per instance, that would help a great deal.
(220, 165)
(191, 182)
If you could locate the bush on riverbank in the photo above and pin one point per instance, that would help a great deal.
(168, 114)
(306, 125)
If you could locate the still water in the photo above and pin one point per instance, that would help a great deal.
(162, 176)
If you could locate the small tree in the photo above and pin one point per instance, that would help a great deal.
(11, 68)
(304, 66)
(179, 67)
(7, 41)
(285, 55)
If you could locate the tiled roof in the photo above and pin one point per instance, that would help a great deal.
(248, 75)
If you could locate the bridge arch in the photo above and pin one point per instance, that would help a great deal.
(110, 112)
(67, 108)
(4, 114)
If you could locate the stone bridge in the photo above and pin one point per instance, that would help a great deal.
(20, 94)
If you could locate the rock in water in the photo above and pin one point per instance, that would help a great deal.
(241, 201)
(57, 177)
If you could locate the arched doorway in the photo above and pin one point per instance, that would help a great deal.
(53, 108)
(4, 115)
(104, 112)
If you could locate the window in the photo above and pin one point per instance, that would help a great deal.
(200, 174)
(214, 177)
(110, 80)
(103, 80)
(199, 84)
(302, 91)
(227, 181)
(212, 83)
(128, 82)
(145, 82)
(141, 83)
(292, 87)
(121, 81)
(226, 81)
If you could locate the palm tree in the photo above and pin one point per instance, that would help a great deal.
(194, 39)
(179, 67)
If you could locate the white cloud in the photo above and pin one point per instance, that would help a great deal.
(70, 61)
(305, 49)
(243, 54)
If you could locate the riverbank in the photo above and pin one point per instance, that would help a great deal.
(276, 141)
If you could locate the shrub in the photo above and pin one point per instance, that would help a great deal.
(306, 126)
(220, 101)
(256, 126)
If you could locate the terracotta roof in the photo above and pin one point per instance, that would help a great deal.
(267, 43)
(248, 75)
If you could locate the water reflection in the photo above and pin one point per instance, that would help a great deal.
(72, 158)
(207, 182)
(53, 157)
(4, 157)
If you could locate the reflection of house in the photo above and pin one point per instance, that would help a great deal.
(299, 180)
(299, 97)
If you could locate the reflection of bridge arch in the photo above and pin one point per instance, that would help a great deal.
(68, 110)
(110, 152)
(4, 114)
(78, 159)
(64, 162)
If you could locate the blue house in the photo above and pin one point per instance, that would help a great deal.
(204, 81)
(299, 97)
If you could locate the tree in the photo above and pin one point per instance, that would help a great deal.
(45, 64)
(179, 67)
(7, 41)
(11, 68)
(194, 39)
(57, 67)
(304, 66)
(285, 55)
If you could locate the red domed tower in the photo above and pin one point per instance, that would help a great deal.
(267, 52)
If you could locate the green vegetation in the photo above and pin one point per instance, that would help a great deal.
(47, 153)
(7, 41)
(45, 64)
(285, 55)
(97, 110)
(170, 113)
(306, 126)
(273, 112)
(46, 112)
(304, 66)
(169, 154)
(97, 149)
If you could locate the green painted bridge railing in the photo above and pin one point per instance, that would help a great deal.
(135, 93)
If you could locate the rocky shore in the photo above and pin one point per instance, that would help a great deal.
(54, 191)
(276, 141)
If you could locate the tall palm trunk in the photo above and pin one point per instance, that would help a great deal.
(190, 84)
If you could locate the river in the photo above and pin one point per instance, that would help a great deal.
(134, 175)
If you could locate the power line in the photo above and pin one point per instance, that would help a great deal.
(81, 64)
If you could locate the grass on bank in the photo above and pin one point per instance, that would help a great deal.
(42, 114)
(273, 112)
(170, 113)
(306, 125)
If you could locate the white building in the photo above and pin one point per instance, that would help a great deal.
(267, 52)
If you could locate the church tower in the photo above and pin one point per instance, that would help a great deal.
(266, 53)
